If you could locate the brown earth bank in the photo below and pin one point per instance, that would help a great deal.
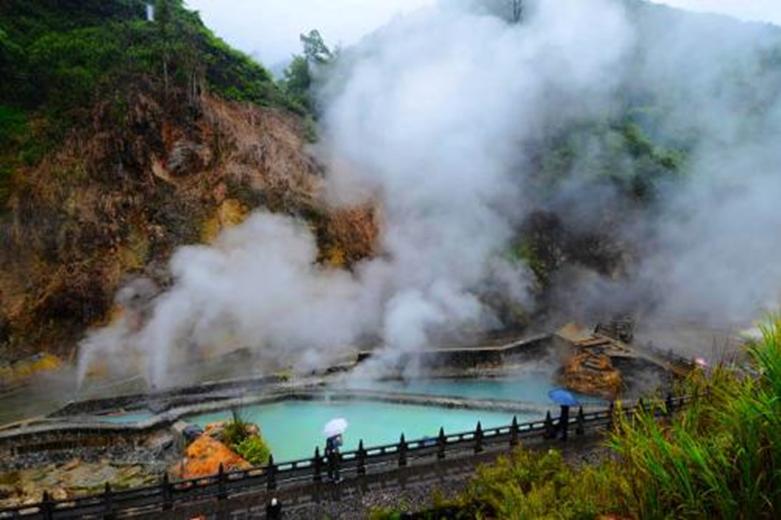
(149, 173)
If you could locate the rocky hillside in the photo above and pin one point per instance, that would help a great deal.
(124, 138)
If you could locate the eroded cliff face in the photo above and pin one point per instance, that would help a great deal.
(152, 171)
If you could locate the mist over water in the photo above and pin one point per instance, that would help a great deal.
(431, 118)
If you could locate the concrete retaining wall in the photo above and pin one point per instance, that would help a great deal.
(80, 433)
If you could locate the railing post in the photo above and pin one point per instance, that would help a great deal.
(668, 404)
(610, 415)
(271, 474)
(165, 491)
(108, 503)
(564, 422)
(317, 466)
(222, 492)
(402, 451)
(274, 509)
(550, 429)
(514, 431)
(361, 458)
(580, 429)
(441, 442)
(47, 506)
(479, 438)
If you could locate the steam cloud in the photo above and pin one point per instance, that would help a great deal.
(706, 252)
(430, 116)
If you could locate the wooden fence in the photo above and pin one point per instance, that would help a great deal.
(168, 495)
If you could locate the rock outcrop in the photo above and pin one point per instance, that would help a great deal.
(591, 374)
(71, 479)
(119, 196)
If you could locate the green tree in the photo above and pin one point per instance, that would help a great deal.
(163, 20)
(299, 75)
(315, 49)
(298, 79)
(164, 10)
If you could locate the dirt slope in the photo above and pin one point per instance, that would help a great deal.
(151, 172)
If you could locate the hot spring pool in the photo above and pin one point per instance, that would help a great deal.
(294, 428)
(531, 387)
(126, 418)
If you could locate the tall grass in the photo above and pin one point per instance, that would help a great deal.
(721, 457)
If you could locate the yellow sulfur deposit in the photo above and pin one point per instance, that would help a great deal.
(23, 370)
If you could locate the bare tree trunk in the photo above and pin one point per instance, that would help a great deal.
(165, 75)
(517, 10)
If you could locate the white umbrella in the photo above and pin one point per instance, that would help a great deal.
(335, 427)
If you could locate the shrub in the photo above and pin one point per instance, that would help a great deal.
(530, 485)
(238, 435)
(255, 450)
(235, 431)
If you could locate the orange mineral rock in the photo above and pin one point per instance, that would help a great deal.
(204, 456)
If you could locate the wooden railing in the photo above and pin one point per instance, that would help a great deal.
(671, 357)
(167, 495)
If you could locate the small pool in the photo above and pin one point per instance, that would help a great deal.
(126, 418)
(294, 428)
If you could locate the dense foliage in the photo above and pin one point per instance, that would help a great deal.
(254, 450)
(301, 75)
(620, 153)
(65, 53)
(720, 457)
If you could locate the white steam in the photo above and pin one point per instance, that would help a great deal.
(707, 251)
(428, 116)
(714, 247)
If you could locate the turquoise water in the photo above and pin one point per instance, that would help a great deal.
(126, 418)
(294, 428)
(531, 387)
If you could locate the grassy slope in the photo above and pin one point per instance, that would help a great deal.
(59, 58)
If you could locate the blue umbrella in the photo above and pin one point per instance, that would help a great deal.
(562, 397)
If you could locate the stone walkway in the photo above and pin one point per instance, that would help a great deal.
(408, 489)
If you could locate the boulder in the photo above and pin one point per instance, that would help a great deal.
(187, 157)
(215, 429)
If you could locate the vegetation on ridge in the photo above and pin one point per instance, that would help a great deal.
(60, 58)
(65, 54)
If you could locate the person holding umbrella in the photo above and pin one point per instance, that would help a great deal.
(565, 400)
(333, 431)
